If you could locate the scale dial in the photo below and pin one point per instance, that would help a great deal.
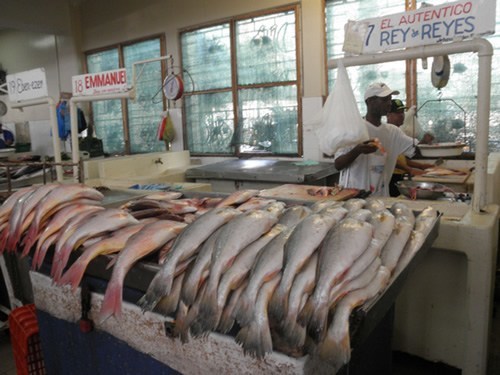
(173, 87)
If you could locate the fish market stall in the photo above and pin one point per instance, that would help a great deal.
(230, 175)
(122, 286)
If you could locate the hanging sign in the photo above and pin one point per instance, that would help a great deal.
(108, 82)
(31, 84)
(454, 21)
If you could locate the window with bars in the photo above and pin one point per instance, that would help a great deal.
(242, 95)
(449, 113)
(116, 121)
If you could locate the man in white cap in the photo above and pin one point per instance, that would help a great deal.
(369, 165)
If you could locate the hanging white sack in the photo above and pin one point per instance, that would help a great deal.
(411, 126)
(341, 122)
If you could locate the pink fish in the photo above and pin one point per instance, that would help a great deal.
(105, 221)
(115, 243)
(149, 239)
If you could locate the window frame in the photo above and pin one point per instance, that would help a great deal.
(124, 102)
(235, 87)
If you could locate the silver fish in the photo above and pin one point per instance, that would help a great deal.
(303, 242)
(354, 204)
(383, 225)
(341, 247)
(196, 274)
(393, 248)
(227, 320)
(255, 337)
(186, 244)
(234, 237)
(238, 272)
(293, 215)
(336, 347)
(255, 203)
(268, 264)
(302, 287)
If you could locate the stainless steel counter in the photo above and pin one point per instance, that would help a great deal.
(262, 173)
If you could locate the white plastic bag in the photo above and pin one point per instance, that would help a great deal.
(411, 126)
(341, 122)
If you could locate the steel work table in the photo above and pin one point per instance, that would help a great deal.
(236, 174)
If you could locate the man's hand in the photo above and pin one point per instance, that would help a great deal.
(367, 147)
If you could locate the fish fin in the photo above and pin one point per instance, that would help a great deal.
(112, 301)
(73, 276)
(209, 312)
(226, 322)
(244, 312)
(336, 351)
(278, 304)
(3, 239)
(188, 293)
(255, 340)
(28, 243)
(156, 290)
(317, 323)
(306, 313)
(294, 332)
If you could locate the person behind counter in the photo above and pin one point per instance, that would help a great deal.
(404, 165)
(367, 166)
(6, 137)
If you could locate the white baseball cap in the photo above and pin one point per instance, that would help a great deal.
(379, 89)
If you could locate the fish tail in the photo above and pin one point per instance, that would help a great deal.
(209, 311)
(3, 239)
(154, 294)
(73, 276)
(41, 256)
(27, 246)
(306, 313)
(278, 305)
(255, 340)
(317, 323)
(226, 322)
(244, 312)
(294, 332)
(112, 301)
(189, 294)
(336, 351)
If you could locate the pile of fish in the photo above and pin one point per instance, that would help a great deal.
(275, 273)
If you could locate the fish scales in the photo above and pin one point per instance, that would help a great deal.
(185, 246)
(342, 246)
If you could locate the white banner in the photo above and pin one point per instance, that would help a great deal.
(31, 84)
(111, 81)
(428, 25)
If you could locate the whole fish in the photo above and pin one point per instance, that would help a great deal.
(227, 318)
(60, 236)
(255, 337)
(164, 195)
(354, 204)
(115, 243)
(152, 237)
(294, 215)
(395, 244)
(199, 270)
(268, 264)
(302, 287)
(102, 222)
(62, 194)
(303, 242)
(16, 219)
(237, 273)
(255, 203)
(336, 347)
(11, 201)
(383, 226)
(234, 237)
(341, 247)
(324, 203)
(238, 197)
(56, 223)
(425, 220)
(186, 244)
(169, 303)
